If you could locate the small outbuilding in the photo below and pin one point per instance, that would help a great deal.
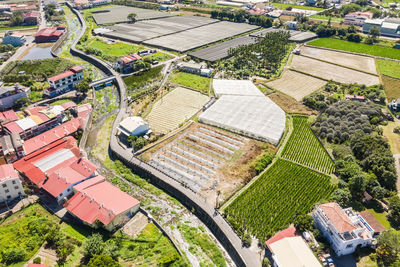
(133, 126)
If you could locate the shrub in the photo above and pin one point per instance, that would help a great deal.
(13, 255)
(37, 260)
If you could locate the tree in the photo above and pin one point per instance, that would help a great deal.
(21, 102)
(83, 87)
(93, 245)
(102, 261)
(394, 212)
(13, 255)
(265, 262)
(139, 143)
(341, 196)
(247, 239)
(374, 32)
(303, 222)
(132, 17)
(388, 246)
(357, 186)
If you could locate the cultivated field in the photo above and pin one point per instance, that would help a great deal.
(304, 148)
(348, 60)
(332, 72)
(208, 160)
(388, 67)
(296, 84)
(391, 87)
(174, 108)
(290, 105)
(270, 203)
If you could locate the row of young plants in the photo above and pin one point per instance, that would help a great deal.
(304, 148)
(271, 202)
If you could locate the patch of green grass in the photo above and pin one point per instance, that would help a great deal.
(373, 50)
(199, 83)
(61, 101)
(39, 67)
(388, 68)
(159, 56)
(381, 218)
(284, 6)
(116, 49)
(36, 96)
(150, 248)
(201, 241)
(391, 87)
(17, 27)
(137, 80)
(327, 18)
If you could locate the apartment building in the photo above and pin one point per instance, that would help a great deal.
(64, 82)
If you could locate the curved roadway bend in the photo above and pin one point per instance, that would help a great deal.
(217, 224)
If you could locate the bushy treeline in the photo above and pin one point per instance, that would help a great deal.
(334, 92)
(242, 16)
(146, 4)
(260, 57)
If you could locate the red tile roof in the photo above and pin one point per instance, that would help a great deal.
(67, 174)
(34, 110)
(374, 223)
(76, 69)
(50, 136)
(68, 105)
(289, 232)
(7, 172)
(33, 173)
(338, 218)
(13, 127)
(9, 115)
(61, 75)
(97, 199)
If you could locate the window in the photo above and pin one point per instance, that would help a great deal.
(349, 246)
(4, 185)
(13, 182)
(69, 189)
(7, 191)
(8, 196)
(16, 187)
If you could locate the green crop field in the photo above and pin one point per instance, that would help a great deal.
(270, 203)
(388, 68)
(284, 6)
(199, 83)
(133, 81)
(116, 49)
(373, 50)
(304, 148)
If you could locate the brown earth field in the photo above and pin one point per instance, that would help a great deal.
(391, 86)
(290, 105)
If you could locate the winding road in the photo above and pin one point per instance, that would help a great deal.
(241, 255)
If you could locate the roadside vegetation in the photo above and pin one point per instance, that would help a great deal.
(144, 82)
(343, 45)
(286, 6)
(388, 67)
(196, 82)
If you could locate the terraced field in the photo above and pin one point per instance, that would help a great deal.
(304, 148)
(270, 203)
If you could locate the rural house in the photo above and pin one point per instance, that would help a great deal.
(133, 126)
(195, 68)
(64, 82)
(10, 94)
(126, 64)
(357, 18)
(10, 184)
(345, 229)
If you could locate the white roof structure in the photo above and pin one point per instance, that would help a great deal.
(57, 109)
(54, 159)
(26, 123)
(130, 124)
(235, 87)
(293, 252)
(390, 25)
(254, 116)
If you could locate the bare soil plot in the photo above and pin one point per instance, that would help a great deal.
(208, 160)
(296, 84)
(331, 71)
(348, 60)
(290, 105)
(174, 108)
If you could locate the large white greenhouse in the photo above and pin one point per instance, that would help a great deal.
(235, 87)
(250, 115)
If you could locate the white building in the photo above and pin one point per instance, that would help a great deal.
(64, 82)
(10, 184)
(133, 126)
(357, 18)
(345, 229)
(195, 68)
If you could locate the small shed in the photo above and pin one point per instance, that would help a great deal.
(133, 126)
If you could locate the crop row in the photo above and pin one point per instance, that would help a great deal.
(271, 202)
(304, 148)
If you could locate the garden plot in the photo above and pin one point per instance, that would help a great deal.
(296, 85)
(332, 72)
(174, 108)
(195, 157)
(345, 59)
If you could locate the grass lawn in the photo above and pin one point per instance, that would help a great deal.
(136, 80)
(18, 28)
(284, 6)
(38, 67)
(199, 83)
(388, 68)
(61, 101)
(327, 18)
(381, 218)
(116, 49)
(373, 50)
(392, 138)
(391, 87)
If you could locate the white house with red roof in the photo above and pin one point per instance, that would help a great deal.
(64, 82)
(10, 184)
(97, 202)
(345, 229)
(126, 64)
